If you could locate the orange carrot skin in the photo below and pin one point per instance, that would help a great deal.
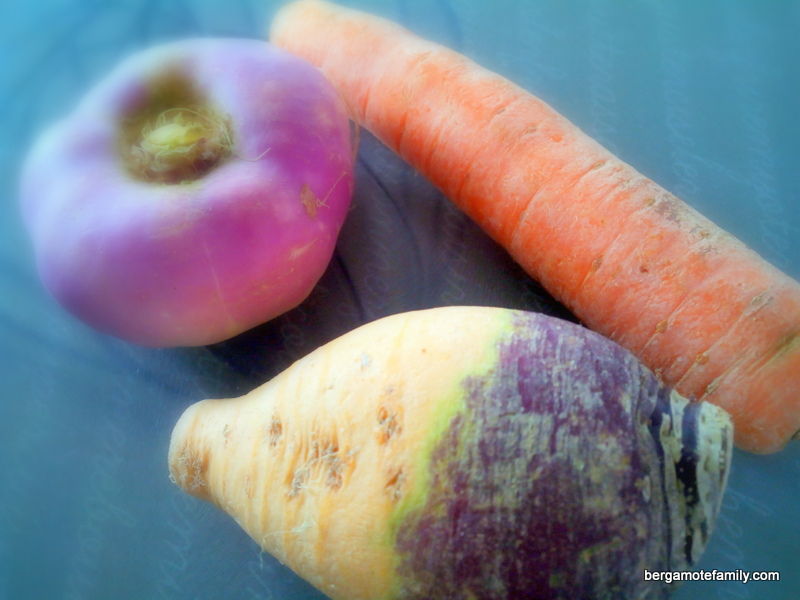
(630, 259)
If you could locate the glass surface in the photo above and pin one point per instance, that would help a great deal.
(702, 97)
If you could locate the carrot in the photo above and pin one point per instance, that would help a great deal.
(464, 452)
(628, 258)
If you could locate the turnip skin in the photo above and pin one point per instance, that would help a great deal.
(193, 262)
(527, 458)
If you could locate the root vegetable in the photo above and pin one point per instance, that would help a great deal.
(195, 192)
(631, 260)
(464, 452)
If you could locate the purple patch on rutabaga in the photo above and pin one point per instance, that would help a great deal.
(552, 483)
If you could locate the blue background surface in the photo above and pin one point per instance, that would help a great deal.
(700, 96)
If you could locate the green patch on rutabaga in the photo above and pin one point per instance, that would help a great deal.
(449, 408)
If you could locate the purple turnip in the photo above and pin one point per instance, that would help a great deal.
(195, 192)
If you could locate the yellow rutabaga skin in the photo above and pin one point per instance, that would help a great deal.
(464, 452)
(319, 464)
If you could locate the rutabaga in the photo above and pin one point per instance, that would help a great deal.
(464, 452)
